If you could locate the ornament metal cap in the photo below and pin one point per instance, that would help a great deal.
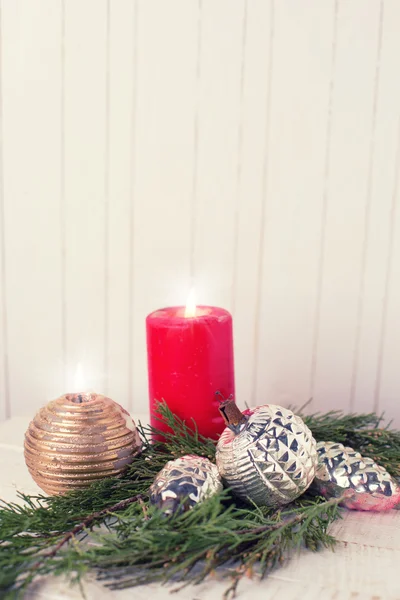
(232, 415)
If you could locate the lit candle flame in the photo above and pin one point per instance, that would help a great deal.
(190, 310)
(79, 381)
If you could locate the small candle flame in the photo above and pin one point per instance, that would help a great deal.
(79, 380)
(190, 310)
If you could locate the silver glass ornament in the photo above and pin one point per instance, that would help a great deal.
(363, 484)
(184, 482)
(266, 455)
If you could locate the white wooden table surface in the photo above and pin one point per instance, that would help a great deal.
(364, 565)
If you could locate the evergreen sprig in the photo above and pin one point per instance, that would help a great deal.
(363, 432)
(132, 543)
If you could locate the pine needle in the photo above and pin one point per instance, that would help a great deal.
(112, 529)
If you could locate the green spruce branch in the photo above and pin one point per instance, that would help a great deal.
(132, 543)
(362, 432)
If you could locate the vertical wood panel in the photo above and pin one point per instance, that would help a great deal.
(122, 67)
(294, 199)
(31, 144)
(387, 387)
(85, 194)
(219, 115)
(352, 116)
(367, 365)
(249, 148)
(4, 391)
(163, 167)
(254, 122)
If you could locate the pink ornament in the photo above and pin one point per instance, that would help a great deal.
(363, 484)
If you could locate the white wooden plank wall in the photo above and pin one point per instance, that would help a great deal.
(31, 195)
(248, 148)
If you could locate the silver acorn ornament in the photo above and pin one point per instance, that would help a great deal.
(363, 484)
(184, 482)
(266, 455)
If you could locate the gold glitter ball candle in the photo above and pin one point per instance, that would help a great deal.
(78, 439)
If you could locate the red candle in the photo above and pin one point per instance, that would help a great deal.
(190, 357)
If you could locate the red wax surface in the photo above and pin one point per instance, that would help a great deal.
(189, 359)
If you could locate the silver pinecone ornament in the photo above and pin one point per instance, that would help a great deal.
(344, 472)
(184, 482)
(266, 455)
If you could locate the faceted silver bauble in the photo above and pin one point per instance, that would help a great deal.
(344, 472)
(190, 479)
(271, 459)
